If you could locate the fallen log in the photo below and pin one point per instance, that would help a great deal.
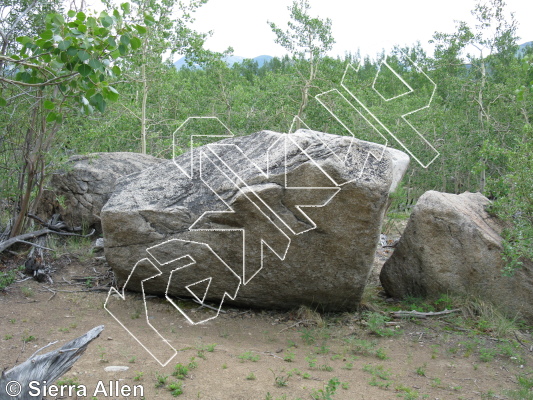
(32, 235)
(47, 367)
(417, 314)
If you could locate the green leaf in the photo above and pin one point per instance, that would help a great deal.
(111, 41)
(71, 13)
(106, 21)
(46, 58)
(97, 98)
(85, 70)
(125, 40)
(135, 43)
(148, 19)
(111, 95)
(115, 54)
(91, 92)
(82, 28)
(101, 106)
(116, 70)
(23, 40)
(123, 50)
(47, 35)
(116, 14)
(58, 19)
(64, 44)
(98, 101)
(3, 102)
(49, 105)
(95, 64)
(125, 7)
(83, 55)
(81, 16)
(72, 51)
(24, 77)
(140, 29)
(56, 65)
(51, 117)
(91, 22)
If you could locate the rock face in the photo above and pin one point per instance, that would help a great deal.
(452, 246)
(269, 220)
(80, 191)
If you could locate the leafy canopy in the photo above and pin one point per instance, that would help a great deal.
(76, 55)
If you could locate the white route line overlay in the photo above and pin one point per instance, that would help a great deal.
(248, 193)
(377, 120)
(245, 190)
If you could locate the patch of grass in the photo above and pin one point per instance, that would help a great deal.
(210, 347)
(281, 380)
(249, 356)
(138, 376)
(308, 336)
(161, 380)
(102, 353)
(376, 322)
(328, 391)
(378, 371)
(381, 377)
(251, 377)
(348, 366)
(289, 356)
(380, 353)
(175, 388)
(406, 392)
(7, 278)
(29, 338)
(421, 371)
(434, 351)
(180, 371)
(525, 390)
(27, 291)
(192, 364)
(486, 354)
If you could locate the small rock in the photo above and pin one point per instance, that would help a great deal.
(116, 368)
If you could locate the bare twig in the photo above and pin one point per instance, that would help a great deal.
(42, 348)
(417, 314)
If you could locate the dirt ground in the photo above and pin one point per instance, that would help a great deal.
(254, 354)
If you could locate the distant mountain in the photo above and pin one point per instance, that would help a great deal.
(261, 60)
(522, 48)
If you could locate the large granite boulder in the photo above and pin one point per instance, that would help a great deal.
(451, 245)
(269, 220)
(79, 191)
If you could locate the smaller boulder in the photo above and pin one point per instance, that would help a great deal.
(451, 245)
(80, 190)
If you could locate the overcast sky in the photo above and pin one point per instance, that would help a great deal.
(369, 25)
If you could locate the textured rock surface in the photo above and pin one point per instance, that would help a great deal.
(285, 258)
(451, 245)
(80, 191)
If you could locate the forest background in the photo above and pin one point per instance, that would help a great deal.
(75, 83)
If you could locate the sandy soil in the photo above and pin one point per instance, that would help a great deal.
(253, 354)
